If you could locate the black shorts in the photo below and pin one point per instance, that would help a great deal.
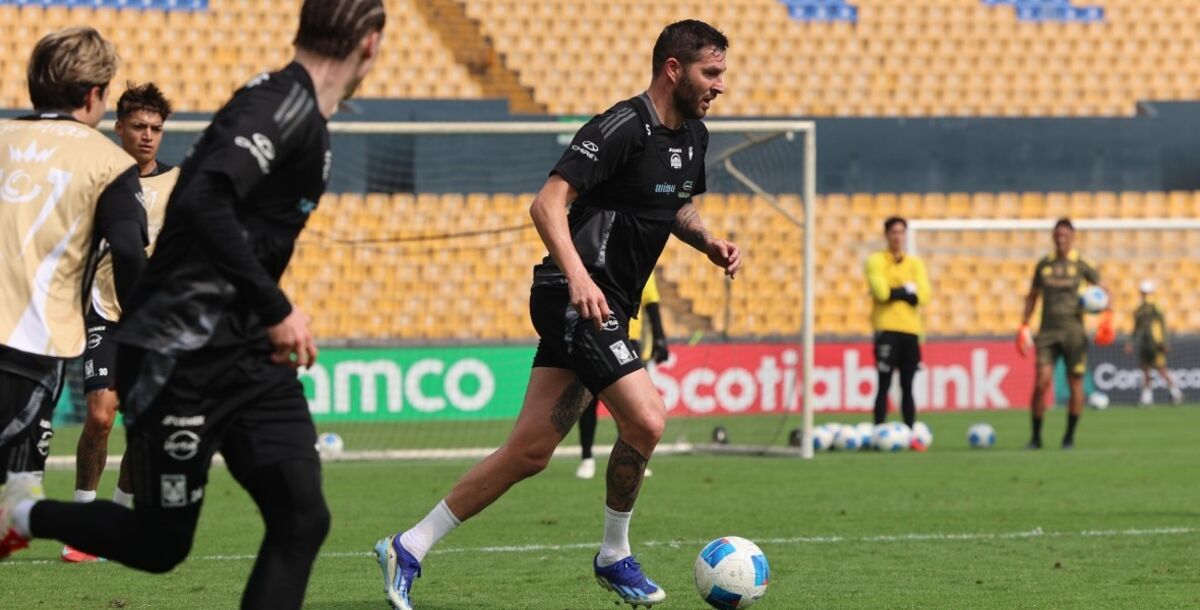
(181, 410)
(599, 357)
(897, 352)
(99, 355)
(29, 390)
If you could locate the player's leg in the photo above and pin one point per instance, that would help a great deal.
(270, 450)
(909, 363)
(884, 362)
(640, 414)
(553, 400)
(26, 412)
(1160, 362)
(1048, 351)
(1075, 359)
(91, 454)
(1147, 397)
(587, 438)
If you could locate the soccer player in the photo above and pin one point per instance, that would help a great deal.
(1150, 342)
(628, 179)
(66, 188)
(1058, 277)
(208, 344)
(141, 112)
(899, 285)
(658, 353)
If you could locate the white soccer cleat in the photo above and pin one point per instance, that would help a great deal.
(586, 469)
(1147, 398)
(400, 569)
(20, 487)
(1176, 396)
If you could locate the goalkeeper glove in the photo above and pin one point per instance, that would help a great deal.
(1105, 333)
(901, 294)
(658, 350)
(1024, 340)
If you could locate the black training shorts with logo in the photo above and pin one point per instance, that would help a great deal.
(599, 357)
(180, 410)
(29, 388)
(99, 354)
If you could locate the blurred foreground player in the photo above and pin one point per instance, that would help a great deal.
(1149, 342)
(209, 344)
(628, 179)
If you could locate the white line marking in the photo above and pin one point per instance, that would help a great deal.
(910, 537)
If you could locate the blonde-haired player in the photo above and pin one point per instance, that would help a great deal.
(67, 187)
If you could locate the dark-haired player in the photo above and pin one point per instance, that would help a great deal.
(66, 188)
(141, 112)
(628, 179)
(1149, 342)
(209, 344)
(899, 285)
(1057, 279)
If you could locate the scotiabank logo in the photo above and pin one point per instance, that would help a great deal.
(758, 378)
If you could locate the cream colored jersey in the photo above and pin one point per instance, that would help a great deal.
(52, 173)
(156, 190)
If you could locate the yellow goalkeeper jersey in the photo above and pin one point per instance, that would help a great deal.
(649, 295)
(884, 273)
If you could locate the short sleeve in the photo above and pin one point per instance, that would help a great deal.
(601, 148)
(1037, 283)
(121, 202)
(701, 179)
(1089, 271)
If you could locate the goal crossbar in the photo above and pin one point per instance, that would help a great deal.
(917, 225)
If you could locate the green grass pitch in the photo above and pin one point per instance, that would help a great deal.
(1113, 524)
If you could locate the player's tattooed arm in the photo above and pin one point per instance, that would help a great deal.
(626, 469)
(689, 228)
(569, 405)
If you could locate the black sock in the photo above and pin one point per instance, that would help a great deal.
(1037, 430)
(1072, 420)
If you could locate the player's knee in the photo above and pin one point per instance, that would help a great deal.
(528, 461)
(310, 525)
(100, 416)
(164, 552)
(645, 431)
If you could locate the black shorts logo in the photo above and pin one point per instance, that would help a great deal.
(93, 341)
(182, 445)
(621, 351)
(611, 324)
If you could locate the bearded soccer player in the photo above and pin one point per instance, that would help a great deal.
(1057, 280)
(67, 188)
(628, 179)
(209, 344)
(658, 353)
(899, 285)
(141, 112)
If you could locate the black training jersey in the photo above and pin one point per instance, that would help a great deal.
(244, 193)
(632, 174)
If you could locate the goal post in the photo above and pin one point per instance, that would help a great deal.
(989, 264)
(415, 268)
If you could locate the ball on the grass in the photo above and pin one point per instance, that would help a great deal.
(847, 439)
(891, 437)
(731, 573)
(1098, 400)
(822, 438)
(981, 436)
(922, 433)
(866, 430)
(330, 444)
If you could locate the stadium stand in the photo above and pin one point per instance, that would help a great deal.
(355, 285)
(920, 58)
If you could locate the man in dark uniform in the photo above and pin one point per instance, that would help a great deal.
(1058, 278)
(209, 344)
(1149, 341)
(628, 179)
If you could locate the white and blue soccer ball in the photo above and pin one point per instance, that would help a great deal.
(847, 439)
(1098, 400)
(330, 444)
(822, 438)
(866, 430)
(922, 434)
(891, 437)
(981, 436)
(1093, 299)
(731, 573)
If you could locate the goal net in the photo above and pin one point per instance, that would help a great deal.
(416, 270)
(982, 269)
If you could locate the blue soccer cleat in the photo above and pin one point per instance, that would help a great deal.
(400, 568)
(625, 578)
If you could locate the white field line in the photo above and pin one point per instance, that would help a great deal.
(1036, 533)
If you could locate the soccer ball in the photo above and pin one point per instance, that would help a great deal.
(1098, 400)
(891, 437)
(1093, 299)
(822, 438)
(866, 430)
(330, 444)
(731, 573)
(981, 436)
(847, 439)
(922, 433)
